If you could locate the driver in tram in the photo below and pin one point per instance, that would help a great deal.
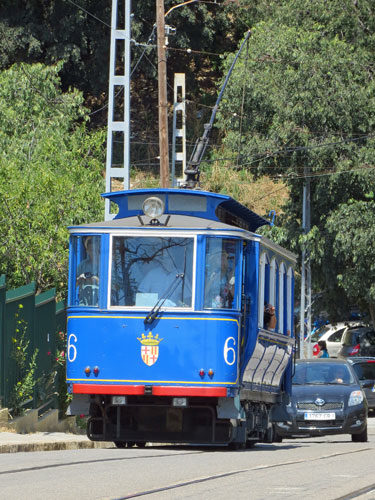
(88, 271)
(219, 288)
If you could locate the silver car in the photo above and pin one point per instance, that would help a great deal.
(332, 334)
(357, 341)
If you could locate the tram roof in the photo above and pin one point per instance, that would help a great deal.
(202, 204)
(166, 221)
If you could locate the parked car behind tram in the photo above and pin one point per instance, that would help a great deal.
(358, 341)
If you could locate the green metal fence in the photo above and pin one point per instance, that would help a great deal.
(32, 320)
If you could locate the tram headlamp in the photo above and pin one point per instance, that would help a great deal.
(153, 207)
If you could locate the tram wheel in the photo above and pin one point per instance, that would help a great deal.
(237, 446)
(141, 445)
(120, 444)
(250, 443)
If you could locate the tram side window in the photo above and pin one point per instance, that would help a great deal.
(282, 299)
(290, 286)
(146, 270)
(269, 303)
(87, 275)
(221, 259)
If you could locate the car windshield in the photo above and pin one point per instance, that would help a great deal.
(321, 331)
(365, 370)
(322, 373)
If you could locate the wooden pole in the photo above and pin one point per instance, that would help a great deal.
(163, 103)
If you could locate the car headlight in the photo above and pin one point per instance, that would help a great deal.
(355, 398)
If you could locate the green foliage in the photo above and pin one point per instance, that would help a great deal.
(60, 362)
(301, 100)
(39, 31)
(50, 174)
(352, 229)
(23, 389)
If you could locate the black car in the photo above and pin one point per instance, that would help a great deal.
(326, 399)
(357, 341)
(365, 370)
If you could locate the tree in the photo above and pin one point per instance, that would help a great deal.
(51, 174)
(352, 228)
(302, 100)
(77, 34)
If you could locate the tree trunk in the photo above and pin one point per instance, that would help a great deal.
(371, 307)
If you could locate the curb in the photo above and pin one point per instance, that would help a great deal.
(54, 445)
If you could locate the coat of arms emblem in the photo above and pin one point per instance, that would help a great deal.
(150, 348)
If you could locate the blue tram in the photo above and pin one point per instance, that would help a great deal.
(168, 336)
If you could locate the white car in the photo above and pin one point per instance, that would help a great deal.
(332, 335)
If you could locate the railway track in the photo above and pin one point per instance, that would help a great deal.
(202, 479)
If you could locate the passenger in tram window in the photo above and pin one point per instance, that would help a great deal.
(219, 285)
(88, 272)
(270, 319)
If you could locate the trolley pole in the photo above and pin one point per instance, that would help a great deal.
(162, 88)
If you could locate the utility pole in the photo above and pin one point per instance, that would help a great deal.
(305, 273)
(162, 88)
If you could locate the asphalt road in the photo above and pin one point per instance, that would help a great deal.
(316, 468)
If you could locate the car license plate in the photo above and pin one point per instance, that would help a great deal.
(320, 416)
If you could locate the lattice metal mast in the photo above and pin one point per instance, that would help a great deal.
(179, 127)
(118, 131)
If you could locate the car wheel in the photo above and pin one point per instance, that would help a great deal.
(276, 436)
(361, 437)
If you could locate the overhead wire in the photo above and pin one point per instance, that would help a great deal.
(88, 13)
(242, 102)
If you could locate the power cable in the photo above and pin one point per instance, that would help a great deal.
(131, 73)
(109, 26)
(243, 102)
(88, 13)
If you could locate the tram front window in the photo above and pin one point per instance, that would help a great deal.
(219, 288)
(87, 271)
(147, 269)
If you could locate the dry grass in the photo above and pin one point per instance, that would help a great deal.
(7, 429)
(261, 196)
